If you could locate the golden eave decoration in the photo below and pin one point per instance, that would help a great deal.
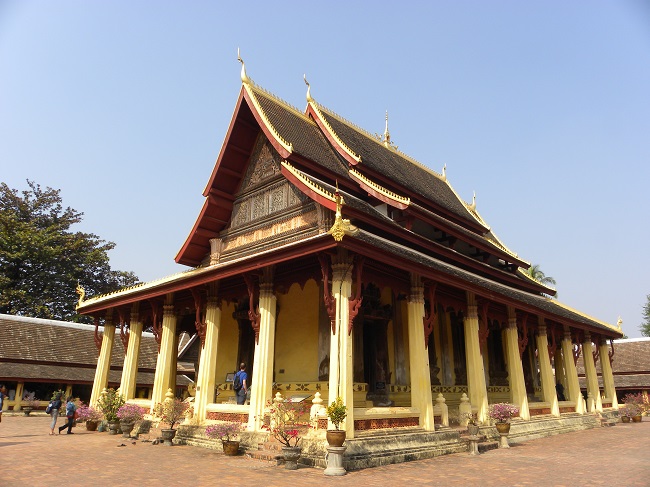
(392, 198)
(342, 226)
(312, 185)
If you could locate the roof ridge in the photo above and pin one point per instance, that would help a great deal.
(585, 315)
(266, 93)
(46, 321)
(379, 142)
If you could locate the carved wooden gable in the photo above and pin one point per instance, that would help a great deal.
(267, 211)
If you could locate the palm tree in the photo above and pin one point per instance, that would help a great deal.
(536, 273)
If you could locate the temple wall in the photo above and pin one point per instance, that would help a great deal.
(228, 343)
(296, 334)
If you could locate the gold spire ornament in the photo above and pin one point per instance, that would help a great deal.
(82, 294)
(473, 205)
(342, 226)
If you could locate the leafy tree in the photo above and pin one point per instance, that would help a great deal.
(645, 326)
(42, 260)
(536, 273)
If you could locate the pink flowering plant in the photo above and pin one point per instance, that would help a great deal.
(224, 431)
(635, 405)
(171, 412)
(130, 413)
(501, 412)
(88, 413)
(286, 420)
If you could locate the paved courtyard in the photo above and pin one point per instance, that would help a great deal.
(614, 456)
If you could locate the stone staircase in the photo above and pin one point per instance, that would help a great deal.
(268, 451)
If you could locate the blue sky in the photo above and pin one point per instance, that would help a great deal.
(541, 107)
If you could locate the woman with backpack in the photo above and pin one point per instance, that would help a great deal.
(70, 408)
(54, 407)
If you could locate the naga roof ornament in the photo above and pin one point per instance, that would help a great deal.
(244, 78)
(341, 226)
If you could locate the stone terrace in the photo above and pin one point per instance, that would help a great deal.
(600, 456)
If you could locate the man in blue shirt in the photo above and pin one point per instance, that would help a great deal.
(243, 376)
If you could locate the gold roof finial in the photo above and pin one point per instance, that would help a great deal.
(619, 323)
(444, 172)
(245, 79)
(309, 98)
(473, 205)
(341, 227)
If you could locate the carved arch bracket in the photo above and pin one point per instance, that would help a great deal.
(98, 338)
(253, 312)
(577, 349)
(430, 318)
(553, 346)
(124, 324)
(355, 304)
(523, 339)
(156, 320)
(199, 320)
(328, 299)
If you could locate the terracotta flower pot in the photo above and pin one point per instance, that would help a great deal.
(503, 428)
(91, 425)
(625, 419)
(335, 437)
(231, 448)
(636, 419)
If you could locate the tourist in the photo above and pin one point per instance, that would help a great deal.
(70, 408)
(242, 377)
(54, 413)
(3, 395)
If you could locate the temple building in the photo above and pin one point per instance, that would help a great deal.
(330, 262)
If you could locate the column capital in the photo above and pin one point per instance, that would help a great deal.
(587, 338)
(416, 295)
(541, 329)
(168, 310)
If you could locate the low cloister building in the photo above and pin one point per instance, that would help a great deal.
(330, 262)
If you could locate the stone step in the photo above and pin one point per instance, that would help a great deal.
(487, 446)
(271, 456)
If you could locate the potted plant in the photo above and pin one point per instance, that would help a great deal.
(31, 403)
(284, 420)
(128, 414)
(228, 433)
(109, 402)
(634, 406)
(501, 413)
(90, 415)
(472, 423)
(172, 412)
(336, 412)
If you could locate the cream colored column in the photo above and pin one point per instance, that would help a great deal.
(545, 371)
(590, 372)
(341, 366)
(515, 367)
(262, 384)
(130, 369)
(573, 386)
(167, 352)
(608, 376)
(205, 380)
(418, 356)
(474, 361)
(18, 398)
(104, 360)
